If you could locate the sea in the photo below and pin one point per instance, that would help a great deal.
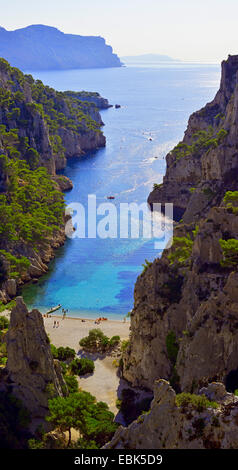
(94, 277)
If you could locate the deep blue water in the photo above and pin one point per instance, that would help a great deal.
(93, 277)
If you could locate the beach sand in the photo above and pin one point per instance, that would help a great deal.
(104, 382)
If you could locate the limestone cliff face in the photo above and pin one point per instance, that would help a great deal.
(185, 316)
(208, 161)
(32, 372)
(169, 426)
(42, 128)
(55, 125)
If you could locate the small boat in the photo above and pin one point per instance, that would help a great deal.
(110, 197)
(53, 309)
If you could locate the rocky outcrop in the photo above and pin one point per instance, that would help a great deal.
(184, 321)
(170, 426)
(51, 126)
(90, 97)
(205, 164)
(32, 373)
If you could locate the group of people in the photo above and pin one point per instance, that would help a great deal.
(98, 320)
(56, 324)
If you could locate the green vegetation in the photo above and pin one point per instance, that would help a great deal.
(72, 383)
(231, 196)
(81, 411)
(97, 341)
(65, 354)
(181, 250)
(124, 344)
(146, 265)
(172, 346)
(14, 420)
(8, 306)
(172, 289)
(202, 141)
(231, 201)
(4, 323)
(230, 252)
(54, 351)
(157, 186)
(82, 366)
(31, 209)
(17, 266)
(3, 352)
(198, 402)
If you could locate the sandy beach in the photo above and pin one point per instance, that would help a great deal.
(103, 383)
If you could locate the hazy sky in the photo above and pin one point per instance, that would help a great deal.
(185, 29)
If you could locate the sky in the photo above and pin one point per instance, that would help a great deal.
(193, 30)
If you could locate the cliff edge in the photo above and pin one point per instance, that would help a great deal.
(185, 316)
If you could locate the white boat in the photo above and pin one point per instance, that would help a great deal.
(53, 309)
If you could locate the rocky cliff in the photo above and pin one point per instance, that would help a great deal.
(39, 127)
(40, 47)
(90, 97)
(31, 373)
(183, 422)
(185, 316)
(43, 126)
(202, 167)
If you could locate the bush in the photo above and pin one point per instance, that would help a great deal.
(231, 201)
(157, 186)
(82, 366)
(230, 252)
(14, 419)
(114, 341)
(146, 265)
(124, 344)
(172, 346)
(4, 323)
(202, 141)
(65, 354)
(72, 383)
(54, 351)
(81, 411)
(199, 402)
(181, 250)
(97, 341)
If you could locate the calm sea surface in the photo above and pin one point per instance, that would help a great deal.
(95, 277)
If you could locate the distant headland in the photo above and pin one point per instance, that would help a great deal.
(40, 47)
(148, 58)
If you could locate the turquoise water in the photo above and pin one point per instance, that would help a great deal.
(92, 277)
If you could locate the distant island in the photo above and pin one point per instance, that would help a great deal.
(148, 58)
(40, 47)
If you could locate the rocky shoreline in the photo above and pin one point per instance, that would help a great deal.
(44, 128)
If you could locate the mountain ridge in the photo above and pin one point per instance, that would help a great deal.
(42, 47)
